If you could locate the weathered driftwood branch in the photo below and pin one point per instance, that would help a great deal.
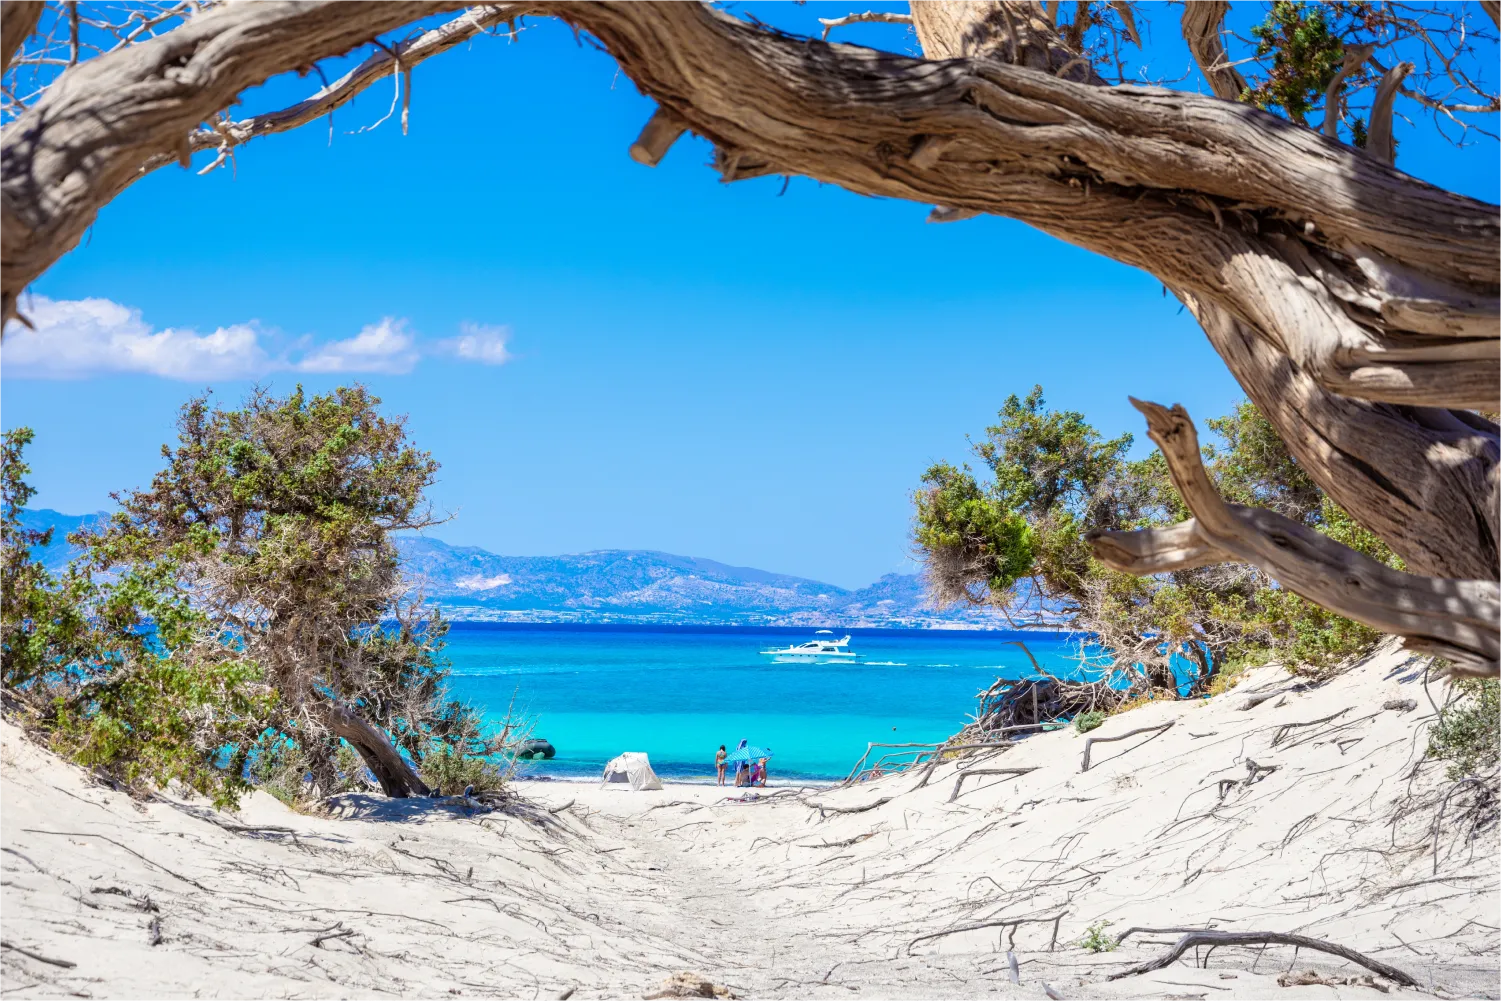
(870, 16)
(1156, 731)
(1287, 728)
(1258, 698)
(1379, 133)
(1217, 938)
(1154, 931)
(824, 808)
(1456, 619)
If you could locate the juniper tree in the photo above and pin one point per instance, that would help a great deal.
(1357, 306)
(41, 620)
(274, 521)
(1051, 480)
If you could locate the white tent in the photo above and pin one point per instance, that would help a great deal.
(632, 767)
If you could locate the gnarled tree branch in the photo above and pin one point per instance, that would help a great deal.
(1202, 21)
(1379, 141)
(1458, 619)
(1355, 57)
(397, 777)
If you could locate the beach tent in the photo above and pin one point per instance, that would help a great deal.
(632, 767)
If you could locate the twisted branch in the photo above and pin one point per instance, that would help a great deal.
(1455, 619)
(1201, 25)
(384, 61)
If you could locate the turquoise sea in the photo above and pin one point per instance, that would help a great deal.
(677, 693)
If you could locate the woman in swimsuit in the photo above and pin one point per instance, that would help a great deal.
(719, 763)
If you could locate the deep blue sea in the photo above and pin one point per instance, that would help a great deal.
(677, 693)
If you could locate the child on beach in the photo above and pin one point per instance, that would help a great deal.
(761, 771)
(719, 763)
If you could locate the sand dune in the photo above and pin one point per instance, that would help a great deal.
(606, 893)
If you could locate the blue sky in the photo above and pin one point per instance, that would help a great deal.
(728, 371)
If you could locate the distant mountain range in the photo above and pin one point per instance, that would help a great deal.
(627, 586)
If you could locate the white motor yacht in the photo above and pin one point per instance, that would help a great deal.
(822, 649)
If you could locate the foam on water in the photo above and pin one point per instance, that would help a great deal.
(678, 693)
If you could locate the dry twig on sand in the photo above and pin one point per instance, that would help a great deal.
(959, 781)
(65, 964)
(823, 808)
(1090, 742)
(1010, 923)
(1217, 938)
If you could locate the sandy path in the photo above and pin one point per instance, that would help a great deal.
(616, 890)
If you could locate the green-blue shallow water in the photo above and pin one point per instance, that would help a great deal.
(677, 693)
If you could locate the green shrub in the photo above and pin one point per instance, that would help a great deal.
(1095, 939)
(155, 720)
(1466, 733)
(1085, 722)
(448, 771)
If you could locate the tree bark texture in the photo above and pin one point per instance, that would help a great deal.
(1459, 620)
(1354, 304)
(1015, 33)
(396, 776)
(18, 19)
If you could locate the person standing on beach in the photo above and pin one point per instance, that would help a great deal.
(762, 771)
(719, 763)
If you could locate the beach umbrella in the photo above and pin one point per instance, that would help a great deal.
(751, 753)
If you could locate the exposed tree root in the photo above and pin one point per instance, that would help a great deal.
(1010, 923)
(1217, 938)
(1156, 731)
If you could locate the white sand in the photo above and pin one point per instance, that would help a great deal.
(618, 890)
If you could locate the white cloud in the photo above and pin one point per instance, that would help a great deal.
(380, 347)
(83, 337)
(486, 345)
(80, 337)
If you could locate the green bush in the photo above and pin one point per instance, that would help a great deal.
(449, 771)
(1466, 733)
(1085, 722)
(155, 720)
(1095, 939)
